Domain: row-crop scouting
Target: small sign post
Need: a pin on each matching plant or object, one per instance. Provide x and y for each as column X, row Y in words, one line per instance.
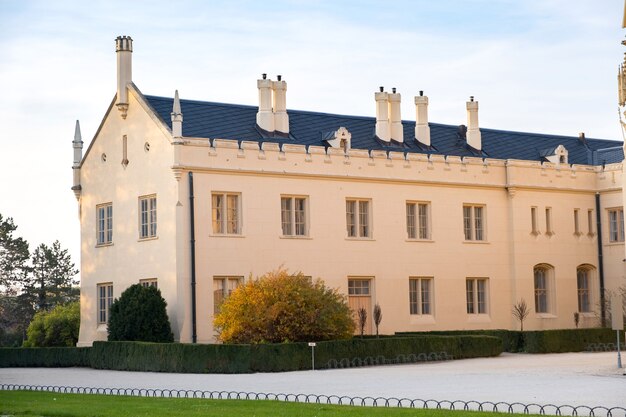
column 312, row 344
column 617, row 319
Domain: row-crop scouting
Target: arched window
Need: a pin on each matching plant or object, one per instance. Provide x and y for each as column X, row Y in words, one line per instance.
column 585, row 275
column 544, row 288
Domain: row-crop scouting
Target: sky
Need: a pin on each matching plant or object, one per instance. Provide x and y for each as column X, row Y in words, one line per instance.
column 545, row 66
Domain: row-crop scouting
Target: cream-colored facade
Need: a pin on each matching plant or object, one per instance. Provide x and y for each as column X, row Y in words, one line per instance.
column 439, row 241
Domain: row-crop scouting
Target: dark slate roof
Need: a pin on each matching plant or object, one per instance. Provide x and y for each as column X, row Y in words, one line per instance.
column 232, row 121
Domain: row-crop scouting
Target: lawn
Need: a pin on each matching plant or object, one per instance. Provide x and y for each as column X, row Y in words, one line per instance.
column 31, row 403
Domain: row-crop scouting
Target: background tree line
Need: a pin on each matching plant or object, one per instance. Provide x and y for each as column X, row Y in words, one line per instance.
column 31, row 281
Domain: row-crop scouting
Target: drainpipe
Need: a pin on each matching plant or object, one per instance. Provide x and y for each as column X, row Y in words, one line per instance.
column 194, row 336
column 600, row 260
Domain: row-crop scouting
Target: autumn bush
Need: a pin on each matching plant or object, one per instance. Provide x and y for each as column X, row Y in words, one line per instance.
column 283, row 307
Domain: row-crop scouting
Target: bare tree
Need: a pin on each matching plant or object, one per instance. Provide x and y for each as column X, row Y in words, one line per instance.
column 378, row 316
column 362, row 315
column 576, row 318
column 520, row 312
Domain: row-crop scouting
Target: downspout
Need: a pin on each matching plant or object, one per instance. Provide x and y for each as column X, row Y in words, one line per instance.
column 194, row 336
column 600, row 260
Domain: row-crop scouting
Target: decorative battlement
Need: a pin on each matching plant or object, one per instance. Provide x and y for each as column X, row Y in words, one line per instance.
column 382, row 165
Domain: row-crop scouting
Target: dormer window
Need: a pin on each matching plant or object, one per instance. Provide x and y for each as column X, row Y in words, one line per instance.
column 339, row 139
column 556, row 155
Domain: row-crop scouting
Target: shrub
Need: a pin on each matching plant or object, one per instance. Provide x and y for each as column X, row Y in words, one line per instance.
column 281, row 307
column 565, row 340
column 57, row 327
column 53, row 357
column 140, row 314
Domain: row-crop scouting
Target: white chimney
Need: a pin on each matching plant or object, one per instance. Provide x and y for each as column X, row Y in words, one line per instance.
column 383, row 132
column 281, row 119
column 124, row 49
column 177, row 118
column 395, row 119
column 265, row 115
column 473, row 132
column 422, row 130
column 77, row 144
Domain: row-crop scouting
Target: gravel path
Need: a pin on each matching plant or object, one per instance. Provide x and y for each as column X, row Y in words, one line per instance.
column 591, row 379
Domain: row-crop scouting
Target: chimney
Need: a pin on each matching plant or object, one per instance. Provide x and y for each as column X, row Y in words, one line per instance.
column 281, row 119
column 383, row 131
column 473, row 132
column 77, row 144
column 581, row 138
column 177, row 118
column 265, row 115
column 395, row 119
column 422, row 130
column 124, row 50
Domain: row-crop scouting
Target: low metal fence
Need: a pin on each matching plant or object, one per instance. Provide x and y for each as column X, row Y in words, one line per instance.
column 461, row 405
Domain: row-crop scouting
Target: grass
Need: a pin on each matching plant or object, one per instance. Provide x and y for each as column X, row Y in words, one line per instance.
column 37, row 403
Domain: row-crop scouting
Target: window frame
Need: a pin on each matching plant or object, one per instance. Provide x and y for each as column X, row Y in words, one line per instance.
column 225, row 290
column 589, row 275
column 577, row 231
column 616, row 224
column 104, row 224
column 104, row 295
column 226, row 225
column 534, row 226
column 359, row 290
column 362, row 230
column 477, row 296
column 544, row 296
column 150, row 217
column 474, row 225
column 149, row 282
column 417, row 300
column 289, row 216
column 418, row 220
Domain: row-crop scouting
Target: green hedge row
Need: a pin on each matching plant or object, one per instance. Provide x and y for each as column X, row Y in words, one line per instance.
column 201, row 358
column 52, row 357
column 540, row 341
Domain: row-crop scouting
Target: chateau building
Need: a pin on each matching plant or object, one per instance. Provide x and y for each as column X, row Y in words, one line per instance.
column 445, row 227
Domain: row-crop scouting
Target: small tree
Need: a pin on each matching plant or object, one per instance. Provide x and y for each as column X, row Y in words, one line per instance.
column 362, row 316
column 378, row 316
column 576, row 318
column 520, row 312
column 280, row 307
column 140, row 314
column 57, row 327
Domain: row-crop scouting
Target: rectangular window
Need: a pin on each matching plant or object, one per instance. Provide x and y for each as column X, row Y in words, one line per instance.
column 533, row 220
column 222, row 288
column 549, row 230
column 417, row 220
column 105, row 298
column 590, row 222
column 576, row 222
column 147, row 217
column 584, row 293
column 476, row 295
column 104, row 221
column 616, row 225
column 473, row 222
column 226, row 213
column 150, row 282
column 293, row 214
column 358, row 218
column 358, row 287
column 420, row 295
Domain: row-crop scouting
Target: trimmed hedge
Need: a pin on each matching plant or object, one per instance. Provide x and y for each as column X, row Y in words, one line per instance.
column 52, row 357
column 570, row 340
column 538, row 341
column 512, row 340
